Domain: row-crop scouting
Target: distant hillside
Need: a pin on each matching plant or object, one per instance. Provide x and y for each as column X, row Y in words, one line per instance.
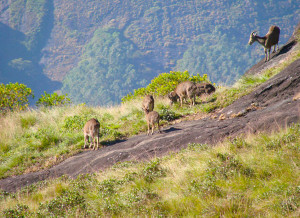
column 98, row 51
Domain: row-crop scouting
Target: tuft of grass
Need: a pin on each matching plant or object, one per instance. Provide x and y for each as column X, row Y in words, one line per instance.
column 28, row 120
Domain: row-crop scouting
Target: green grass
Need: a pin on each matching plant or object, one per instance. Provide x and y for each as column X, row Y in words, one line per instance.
column 37, row 139
column 254, row 176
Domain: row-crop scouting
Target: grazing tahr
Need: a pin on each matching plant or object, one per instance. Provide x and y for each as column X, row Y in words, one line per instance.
column 204, row 88
column 267, row 41
column 152, row 117
column 148, row 103
column 91, row 129
column 183, row 90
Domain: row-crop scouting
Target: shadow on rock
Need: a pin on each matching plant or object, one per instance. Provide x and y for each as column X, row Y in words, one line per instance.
column 172, row 129
column 109, row 143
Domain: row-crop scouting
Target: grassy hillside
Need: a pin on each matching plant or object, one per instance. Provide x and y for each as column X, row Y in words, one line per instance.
column 256, row 176
column 60, row 39
column 37, row 139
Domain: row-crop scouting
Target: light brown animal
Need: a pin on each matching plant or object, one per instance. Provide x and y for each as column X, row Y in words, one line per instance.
column 91, row 129
column 148, row 103
column 152, row 117
column 267, row 41
column 183, row 90
column 204, row 88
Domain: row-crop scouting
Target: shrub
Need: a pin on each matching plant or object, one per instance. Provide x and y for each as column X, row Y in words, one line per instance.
column 75, row 122
column 228, row 166
column 205, row 186
column 28, row 121
column 107, row 187
column 153, row 170
column 196, row 146
column 53, row 99
column 166, row 114
column 14, row 96
column 165, row 83
column 66, row 202
column 18, row 211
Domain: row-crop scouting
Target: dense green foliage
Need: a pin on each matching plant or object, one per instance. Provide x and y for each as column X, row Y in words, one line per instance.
column 48, row 100
column 106, row 71
column 22, row 38
column 255, row 176
column 14, row 97
column 222, row 56
column 38, row 11
column 164, row 83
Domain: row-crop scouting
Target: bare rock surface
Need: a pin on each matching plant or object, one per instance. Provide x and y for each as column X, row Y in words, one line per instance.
column 268, row 108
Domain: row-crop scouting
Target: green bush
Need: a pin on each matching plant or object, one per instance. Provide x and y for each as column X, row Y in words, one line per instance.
column 53, row 99
column 67, row 201
column 166, row 114
column 14, row 96
column 165, row 83
column 153, row 170
column 75, row 122
column 18, row 211
column 28, row 121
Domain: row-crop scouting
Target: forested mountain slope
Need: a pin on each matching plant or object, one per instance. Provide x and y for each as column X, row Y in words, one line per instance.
column 100, row 50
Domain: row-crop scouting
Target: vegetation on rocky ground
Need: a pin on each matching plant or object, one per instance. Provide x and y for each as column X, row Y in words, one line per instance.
column 245, row 176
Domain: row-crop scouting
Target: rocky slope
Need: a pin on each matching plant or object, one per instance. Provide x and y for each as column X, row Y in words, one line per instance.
column 271, row 106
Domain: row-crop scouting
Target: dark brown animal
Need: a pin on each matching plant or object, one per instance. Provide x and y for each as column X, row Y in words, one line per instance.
column 173, row 97
column 152, row 117
column 183, row 90
column 91, row 129
column 204, row 88
column 267, row 41
column 148, row 103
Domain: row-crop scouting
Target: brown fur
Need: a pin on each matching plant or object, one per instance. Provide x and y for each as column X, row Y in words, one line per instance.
column 148, row 103
column 204, row 88
column 183, row 90
column 173, row 97
column 91, row 129
column 152, row 117
column 269, row 40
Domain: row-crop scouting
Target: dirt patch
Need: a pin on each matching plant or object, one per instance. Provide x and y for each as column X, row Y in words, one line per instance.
column 268, row 108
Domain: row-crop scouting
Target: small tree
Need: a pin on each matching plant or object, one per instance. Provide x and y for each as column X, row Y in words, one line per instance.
column 14, row 96
column 49, row 100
